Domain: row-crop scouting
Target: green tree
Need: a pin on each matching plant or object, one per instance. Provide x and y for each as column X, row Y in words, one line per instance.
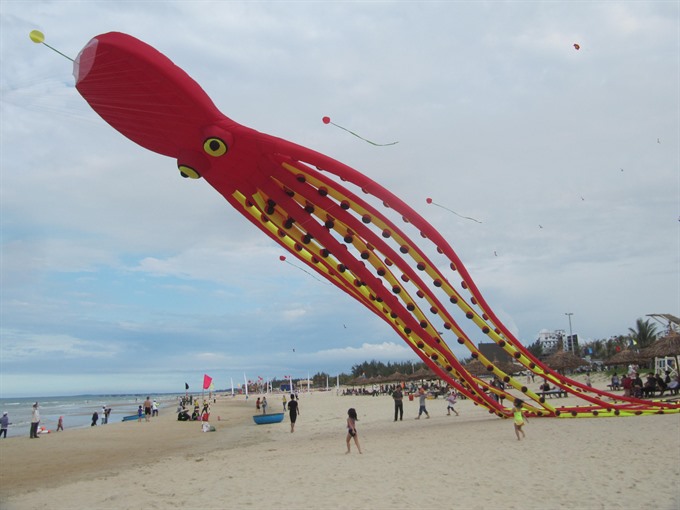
column 536, row 348
column 644, row 334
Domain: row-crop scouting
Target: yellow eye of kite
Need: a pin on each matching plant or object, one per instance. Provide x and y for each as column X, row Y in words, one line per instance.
column 215, row 147
column 187, row 171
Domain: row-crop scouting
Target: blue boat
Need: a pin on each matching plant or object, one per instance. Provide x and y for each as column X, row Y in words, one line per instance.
column 130, row 418
column 263, row 419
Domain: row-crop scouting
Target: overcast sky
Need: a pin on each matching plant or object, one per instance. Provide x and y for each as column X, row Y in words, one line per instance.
column 118, row 275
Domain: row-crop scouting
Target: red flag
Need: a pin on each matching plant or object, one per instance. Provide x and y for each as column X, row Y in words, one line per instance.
column 206, row 381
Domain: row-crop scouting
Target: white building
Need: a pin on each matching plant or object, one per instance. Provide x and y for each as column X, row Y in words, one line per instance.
column 549, row 339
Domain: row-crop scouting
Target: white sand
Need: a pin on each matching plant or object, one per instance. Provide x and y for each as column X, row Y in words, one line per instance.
column 472, row 461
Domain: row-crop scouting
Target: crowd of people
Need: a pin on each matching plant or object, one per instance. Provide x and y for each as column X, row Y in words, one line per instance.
column 634, row 386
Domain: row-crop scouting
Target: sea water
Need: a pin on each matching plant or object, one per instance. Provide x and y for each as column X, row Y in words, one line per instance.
column 76, row 410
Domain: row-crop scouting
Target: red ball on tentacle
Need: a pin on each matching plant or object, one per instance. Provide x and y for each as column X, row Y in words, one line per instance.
column 428, row 200
column 282, row 258
column 326, row 120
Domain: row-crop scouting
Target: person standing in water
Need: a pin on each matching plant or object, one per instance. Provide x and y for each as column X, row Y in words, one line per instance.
column 352, row 429
column 35, row 421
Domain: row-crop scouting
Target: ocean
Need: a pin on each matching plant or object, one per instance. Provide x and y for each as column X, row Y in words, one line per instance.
column 76, row 410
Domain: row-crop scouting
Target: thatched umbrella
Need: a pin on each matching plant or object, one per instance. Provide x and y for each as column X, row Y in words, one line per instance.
column 564, row 360
column 627, row 356
column 508, row 368
column 423, row 373
column 476, row 368
column 359, row 381
column 666, row 346
column 396, row 377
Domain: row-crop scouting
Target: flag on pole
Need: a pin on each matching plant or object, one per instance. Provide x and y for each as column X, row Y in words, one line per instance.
column 206, row 381
column 186, row 386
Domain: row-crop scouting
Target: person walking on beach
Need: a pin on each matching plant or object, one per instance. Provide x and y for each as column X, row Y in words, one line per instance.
column 519, row 418
column 422, row 396
column 294, row 411
column 154, row 408
column 95, row 417
column 104, row 420
column 4, row 425
column 398, row 397
column 140, row 413
column 352, row 429
column 284, row 404
column 264, row 405
column 60, row 424
column 147, row 409
column 451, row 401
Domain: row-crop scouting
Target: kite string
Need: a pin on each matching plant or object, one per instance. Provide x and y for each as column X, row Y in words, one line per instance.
column 283, row 259
column 327, row 120
column 430, row 201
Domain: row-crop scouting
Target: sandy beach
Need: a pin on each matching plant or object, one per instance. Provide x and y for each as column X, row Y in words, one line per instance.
column 471, row 461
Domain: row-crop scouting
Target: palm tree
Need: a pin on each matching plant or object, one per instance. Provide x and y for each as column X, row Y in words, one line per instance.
column 644, row 333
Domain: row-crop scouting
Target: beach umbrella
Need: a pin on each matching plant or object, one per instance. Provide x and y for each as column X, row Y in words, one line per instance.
column 423, row 373
column 564, row 360
column 666, row 346
column 476, row 368
column 627, row 356
column 508, row 368
column 396, row 377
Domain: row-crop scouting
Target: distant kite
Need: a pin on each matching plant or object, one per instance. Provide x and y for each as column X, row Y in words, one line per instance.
column 317, row 208
column 577, row 46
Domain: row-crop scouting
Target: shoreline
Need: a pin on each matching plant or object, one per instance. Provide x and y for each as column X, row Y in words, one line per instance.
column 473, row 460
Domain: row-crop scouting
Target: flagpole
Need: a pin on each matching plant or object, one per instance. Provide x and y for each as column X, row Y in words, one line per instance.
column 232, row 386
column 245, row 379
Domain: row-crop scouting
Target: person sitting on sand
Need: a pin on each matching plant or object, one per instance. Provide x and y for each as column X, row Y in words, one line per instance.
column 636, row 389
column 627, row 385
column 661, row 384
column 650, row 385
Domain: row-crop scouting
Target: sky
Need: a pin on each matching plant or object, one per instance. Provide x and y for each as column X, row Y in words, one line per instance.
column 117, row 275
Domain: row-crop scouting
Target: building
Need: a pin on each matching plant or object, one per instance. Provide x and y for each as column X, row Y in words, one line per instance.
column 552, row 340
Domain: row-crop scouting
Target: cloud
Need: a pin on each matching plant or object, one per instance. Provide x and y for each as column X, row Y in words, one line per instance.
column 108, row 256
column 22, row 347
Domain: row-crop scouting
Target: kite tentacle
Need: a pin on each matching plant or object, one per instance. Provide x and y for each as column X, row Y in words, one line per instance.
column 344, row 223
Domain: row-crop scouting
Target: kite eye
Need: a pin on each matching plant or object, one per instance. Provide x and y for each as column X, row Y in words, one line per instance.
column 215, row 147
column 188, row 172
